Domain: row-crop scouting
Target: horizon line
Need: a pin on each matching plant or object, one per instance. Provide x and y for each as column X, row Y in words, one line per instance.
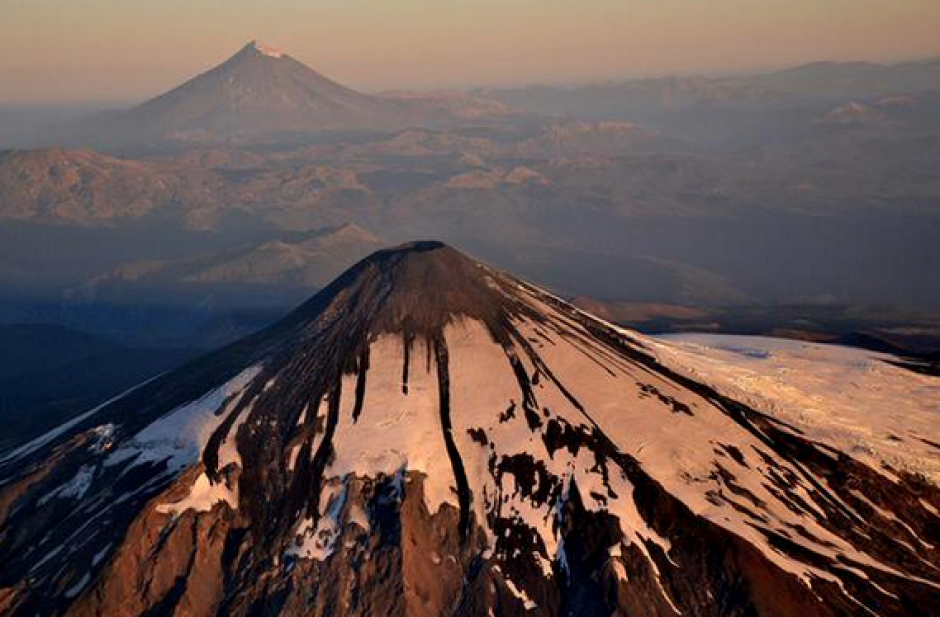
column 125, row 102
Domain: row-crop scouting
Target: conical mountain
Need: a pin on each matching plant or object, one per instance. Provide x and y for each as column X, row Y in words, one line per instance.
column 430, row 436
column 259, row 93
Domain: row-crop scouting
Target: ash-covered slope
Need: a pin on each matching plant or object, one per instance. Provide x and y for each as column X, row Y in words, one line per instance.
column 428, row 436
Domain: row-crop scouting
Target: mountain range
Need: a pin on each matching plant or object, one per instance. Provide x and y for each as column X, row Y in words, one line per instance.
column 680, row 190
column 810, row 84
column 431, row 436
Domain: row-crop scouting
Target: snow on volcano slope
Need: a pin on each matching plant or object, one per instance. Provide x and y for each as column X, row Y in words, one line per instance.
column 853, row 400
column 720, row 467
column 431, row 436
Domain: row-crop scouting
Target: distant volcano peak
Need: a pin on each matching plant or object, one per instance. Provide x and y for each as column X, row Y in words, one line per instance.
column 259, row 92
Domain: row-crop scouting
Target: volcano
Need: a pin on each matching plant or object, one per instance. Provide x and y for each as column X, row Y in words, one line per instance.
column 431, row 436
column 257, row 94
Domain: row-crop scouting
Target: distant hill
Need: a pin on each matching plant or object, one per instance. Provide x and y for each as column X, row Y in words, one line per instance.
column 291, row 265
column 841, row 79
column 199, row 190
column 82, row 187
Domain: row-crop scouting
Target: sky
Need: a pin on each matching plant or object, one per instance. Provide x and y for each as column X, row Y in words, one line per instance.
column 129, row 50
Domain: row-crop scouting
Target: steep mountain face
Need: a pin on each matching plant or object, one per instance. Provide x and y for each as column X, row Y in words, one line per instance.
column 258, row 92
column 429, row 436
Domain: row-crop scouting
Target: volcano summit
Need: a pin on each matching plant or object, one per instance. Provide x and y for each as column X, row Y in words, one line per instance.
column 430, row 436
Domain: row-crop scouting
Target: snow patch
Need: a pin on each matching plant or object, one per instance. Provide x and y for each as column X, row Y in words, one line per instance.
column 103, row 438
column 179, row 437
column 202, row 497
column 395, row 431
column 850, row 399
column 319, row 542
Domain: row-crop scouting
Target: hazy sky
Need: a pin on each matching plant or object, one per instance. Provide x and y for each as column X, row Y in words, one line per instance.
column 57, row 50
